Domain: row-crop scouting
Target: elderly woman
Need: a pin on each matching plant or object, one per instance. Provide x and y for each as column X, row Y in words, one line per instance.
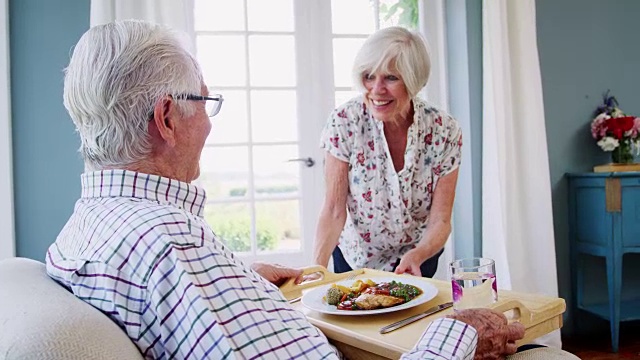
column 391, row 165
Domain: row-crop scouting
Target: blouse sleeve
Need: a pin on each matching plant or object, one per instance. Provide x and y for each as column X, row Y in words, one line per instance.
column 336, row 134
column 452, row 151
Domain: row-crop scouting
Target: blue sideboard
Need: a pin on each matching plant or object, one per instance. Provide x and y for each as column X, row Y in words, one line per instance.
column 604, row 221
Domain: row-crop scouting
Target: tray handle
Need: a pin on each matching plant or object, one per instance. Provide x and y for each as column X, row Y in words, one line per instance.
column 521, row 313
column 325, row 276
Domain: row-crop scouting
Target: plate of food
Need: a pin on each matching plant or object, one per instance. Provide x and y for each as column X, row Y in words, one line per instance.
column 367, row 296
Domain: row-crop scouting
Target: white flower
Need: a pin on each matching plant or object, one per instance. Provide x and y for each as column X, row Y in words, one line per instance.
column 617, row 113
column 608, row 143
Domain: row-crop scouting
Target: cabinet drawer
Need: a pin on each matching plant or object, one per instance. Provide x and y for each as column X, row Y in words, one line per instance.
column 591, row 214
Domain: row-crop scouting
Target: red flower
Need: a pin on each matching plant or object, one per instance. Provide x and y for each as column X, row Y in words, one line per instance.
column 367, row 196
column 371, row 145
column 366, row 237
column 439, row 120
column 618, row 126
column 334, row 141
column 342, row 114
column 361, row 158
column 428, row 138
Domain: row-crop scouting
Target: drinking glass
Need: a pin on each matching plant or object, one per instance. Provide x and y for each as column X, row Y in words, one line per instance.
column 473, row 283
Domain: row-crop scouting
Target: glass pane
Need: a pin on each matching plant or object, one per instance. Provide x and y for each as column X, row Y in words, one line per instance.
column 344, row 52
column 212, row 15
column 231, row 223
column 230, row 125
column 272, row 60
column 272, row 15
column 278, row 225
column 275, row 176
column 344, row 96
column 405, row 15
column 224, row 172
column 223, row 60
column 352, row 17
column 273, row 115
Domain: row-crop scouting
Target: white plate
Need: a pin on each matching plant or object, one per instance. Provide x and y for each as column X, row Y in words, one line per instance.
column 314, row 298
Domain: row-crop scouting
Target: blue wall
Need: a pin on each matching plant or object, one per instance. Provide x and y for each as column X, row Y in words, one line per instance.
column 585, row 48
column 45, row 158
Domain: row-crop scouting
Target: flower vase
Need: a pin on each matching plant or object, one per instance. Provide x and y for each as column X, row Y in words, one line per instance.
column 622, row 154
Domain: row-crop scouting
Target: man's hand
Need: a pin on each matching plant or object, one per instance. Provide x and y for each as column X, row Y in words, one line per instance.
column 496, row 338
column 275, row 273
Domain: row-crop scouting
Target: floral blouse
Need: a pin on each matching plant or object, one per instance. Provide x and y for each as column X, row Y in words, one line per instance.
column 388, row 210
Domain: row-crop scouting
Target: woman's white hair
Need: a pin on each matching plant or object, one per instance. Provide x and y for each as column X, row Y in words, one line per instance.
column 394, row 49
column 117, row 73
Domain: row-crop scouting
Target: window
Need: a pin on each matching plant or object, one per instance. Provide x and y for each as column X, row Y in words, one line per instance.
column 282, row 66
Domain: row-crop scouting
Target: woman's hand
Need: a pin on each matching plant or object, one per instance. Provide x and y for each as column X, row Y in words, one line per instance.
column 411, row 261
column 275, row 273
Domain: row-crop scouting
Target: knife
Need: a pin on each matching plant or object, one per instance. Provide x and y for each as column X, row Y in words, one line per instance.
column 414, row 318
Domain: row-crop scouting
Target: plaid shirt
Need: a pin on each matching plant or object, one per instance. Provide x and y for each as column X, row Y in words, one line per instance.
column 445, row 339
column 138, row 249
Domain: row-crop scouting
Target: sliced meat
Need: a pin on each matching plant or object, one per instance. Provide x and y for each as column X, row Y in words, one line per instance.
column 375, row 301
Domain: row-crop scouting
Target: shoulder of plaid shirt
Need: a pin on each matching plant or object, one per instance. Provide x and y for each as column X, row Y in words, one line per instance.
column 137, row 248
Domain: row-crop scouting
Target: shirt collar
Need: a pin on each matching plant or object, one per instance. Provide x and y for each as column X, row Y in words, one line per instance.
column 125, row 183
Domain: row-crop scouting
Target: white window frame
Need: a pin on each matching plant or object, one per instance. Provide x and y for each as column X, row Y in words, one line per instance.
column 7, row 235
column 316, row 98
column 432, row 24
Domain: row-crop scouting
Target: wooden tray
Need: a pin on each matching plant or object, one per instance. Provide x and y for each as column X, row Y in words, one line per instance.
column 358, row 337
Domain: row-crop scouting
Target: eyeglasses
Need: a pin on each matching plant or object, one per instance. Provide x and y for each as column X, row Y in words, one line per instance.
column 213, row 103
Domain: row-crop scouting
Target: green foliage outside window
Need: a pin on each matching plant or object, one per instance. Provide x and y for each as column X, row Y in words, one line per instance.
column 235, row 231
column 407, row 11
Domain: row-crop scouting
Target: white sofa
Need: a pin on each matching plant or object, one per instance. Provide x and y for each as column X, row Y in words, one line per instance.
column 40, row 319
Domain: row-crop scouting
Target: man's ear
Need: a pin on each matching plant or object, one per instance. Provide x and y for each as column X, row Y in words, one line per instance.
column 164, row 117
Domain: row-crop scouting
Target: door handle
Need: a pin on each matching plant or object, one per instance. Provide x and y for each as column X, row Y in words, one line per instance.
column 308, row 162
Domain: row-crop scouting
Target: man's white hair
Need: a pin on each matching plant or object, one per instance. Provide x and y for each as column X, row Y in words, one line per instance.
column 117, row 73
column 394, row 49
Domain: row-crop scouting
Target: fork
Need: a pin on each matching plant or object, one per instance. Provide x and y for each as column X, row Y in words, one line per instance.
column 350, row 277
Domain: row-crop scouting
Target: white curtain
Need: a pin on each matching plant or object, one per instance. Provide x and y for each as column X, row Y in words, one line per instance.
column 177, row 14
column 517, row 223
column 7, row 236
column 432, row 26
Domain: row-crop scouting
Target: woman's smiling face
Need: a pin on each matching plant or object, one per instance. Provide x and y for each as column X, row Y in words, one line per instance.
column 386, row 96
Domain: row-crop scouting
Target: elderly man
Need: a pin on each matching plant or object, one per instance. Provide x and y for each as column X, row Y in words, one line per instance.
column 137, row 246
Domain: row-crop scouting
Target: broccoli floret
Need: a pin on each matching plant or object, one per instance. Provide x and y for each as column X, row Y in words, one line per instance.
column 333, row 296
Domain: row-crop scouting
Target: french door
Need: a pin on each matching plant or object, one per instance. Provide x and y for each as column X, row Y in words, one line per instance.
column 282, row 66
